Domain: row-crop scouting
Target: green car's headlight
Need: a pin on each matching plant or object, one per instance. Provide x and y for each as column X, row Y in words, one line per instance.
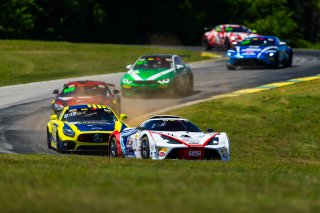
column 126, row 81
column 68, row 131
column 164, row 81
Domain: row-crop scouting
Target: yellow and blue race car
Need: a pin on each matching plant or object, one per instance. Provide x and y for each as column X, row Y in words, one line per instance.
column 83, row 128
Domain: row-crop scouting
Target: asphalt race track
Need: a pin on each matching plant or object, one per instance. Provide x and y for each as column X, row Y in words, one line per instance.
column 25, row 109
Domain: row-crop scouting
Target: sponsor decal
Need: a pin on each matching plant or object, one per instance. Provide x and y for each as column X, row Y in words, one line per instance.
column 193, row 153
column 162, row 154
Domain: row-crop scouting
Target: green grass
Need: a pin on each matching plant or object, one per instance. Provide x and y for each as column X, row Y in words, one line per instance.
column 274, row 166
column 30, row 61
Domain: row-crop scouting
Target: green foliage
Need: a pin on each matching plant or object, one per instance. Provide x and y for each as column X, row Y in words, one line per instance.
column 280, row 24
column 17, row 18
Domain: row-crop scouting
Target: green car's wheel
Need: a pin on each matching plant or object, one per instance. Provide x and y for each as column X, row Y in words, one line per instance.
column 145, row 148
column 190, row 85
column 49, row 139
column 113, row 150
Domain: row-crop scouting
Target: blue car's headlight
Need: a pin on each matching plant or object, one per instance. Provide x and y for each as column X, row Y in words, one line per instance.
column 68, row 131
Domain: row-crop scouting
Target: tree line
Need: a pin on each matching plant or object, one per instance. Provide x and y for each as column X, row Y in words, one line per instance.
column 155, row 22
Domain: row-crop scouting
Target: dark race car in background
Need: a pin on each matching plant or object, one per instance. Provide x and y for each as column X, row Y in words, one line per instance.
column 225, row 35
column 260, row 51
column 87, row 92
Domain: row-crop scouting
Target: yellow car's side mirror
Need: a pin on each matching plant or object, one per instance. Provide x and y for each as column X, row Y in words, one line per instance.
column 53, row 117
column 123, row 117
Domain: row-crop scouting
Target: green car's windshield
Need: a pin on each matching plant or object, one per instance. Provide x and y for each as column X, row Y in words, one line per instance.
column 153, row 63
column 89, row 115
column 258, row 42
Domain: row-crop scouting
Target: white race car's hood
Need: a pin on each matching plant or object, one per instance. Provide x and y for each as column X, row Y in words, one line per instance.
column 186, row 137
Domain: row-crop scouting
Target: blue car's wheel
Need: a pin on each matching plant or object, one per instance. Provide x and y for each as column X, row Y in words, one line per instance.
column 289, row 62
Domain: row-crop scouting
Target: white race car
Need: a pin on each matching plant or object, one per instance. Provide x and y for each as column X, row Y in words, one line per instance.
column 171, row 137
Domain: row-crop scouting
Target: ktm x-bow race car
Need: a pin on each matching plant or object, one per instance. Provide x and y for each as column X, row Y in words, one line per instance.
column 225, row 35
column 158, row 74
column 87, row 92
column 84, row 128
column 170, row 137
column 260, row 51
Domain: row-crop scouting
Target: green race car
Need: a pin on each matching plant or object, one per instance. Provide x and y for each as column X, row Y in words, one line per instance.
column 151, row 74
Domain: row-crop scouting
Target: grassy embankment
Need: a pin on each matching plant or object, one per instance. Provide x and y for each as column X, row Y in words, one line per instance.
column 30, row 61
column 275, row 166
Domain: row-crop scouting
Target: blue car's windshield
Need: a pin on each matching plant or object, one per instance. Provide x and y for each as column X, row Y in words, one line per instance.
column 89, row 115
column 170, row 125
column 258, row 42
column 153, row 63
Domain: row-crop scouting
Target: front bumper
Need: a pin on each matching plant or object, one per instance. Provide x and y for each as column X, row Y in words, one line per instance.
column 144, row 88
column 250, row 61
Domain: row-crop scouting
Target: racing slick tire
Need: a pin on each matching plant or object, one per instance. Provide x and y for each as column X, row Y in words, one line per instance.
column 59, row 144
column 145, row 147
column 289, row 62
column 205, row 44
column 227, row 44
column 49, row 139
column 276, row 61
column 231, row 67
column 113, row 149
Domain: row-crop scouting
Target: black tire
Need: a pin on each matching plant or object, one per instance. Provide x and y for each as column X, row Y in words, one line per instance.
column 205, row 44
column 113, row 149
column 227, row 44
column 59, row 150
column 230, row 67
column 276, row 61
column 289, row 62
column 190, row 85
column 49, row 139
column 145, row 147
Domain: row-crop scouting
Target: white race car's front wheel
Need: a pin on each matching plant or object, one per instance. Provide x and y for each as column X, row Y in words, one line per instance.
column 145, row 148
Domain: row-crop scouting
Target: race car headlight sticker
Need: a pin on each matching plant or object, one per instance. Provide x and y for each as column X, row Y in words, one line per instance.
column 164, row 81
column 214, row 141
column 68, row 131
column 57, row 106
column 169, row 140
column 271, row 54
column 126, row 81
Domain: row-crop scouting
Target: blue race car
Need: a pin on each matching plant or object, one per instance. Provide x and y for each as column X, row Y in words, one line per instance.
column 260, row 51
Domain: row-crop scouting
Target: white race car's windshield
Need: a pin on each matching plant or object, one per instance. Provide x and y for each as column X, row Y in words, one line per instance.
column 89, row 115
column 258, row 42
column 237, row 29
column 74, row 91
column 170, row 125
column 153, row 63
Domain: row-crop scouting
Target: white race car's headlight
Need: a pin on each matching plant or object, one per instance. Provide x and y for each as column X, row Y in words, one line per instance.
column 164, row 81
column 214, row 141
column 126, row 81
